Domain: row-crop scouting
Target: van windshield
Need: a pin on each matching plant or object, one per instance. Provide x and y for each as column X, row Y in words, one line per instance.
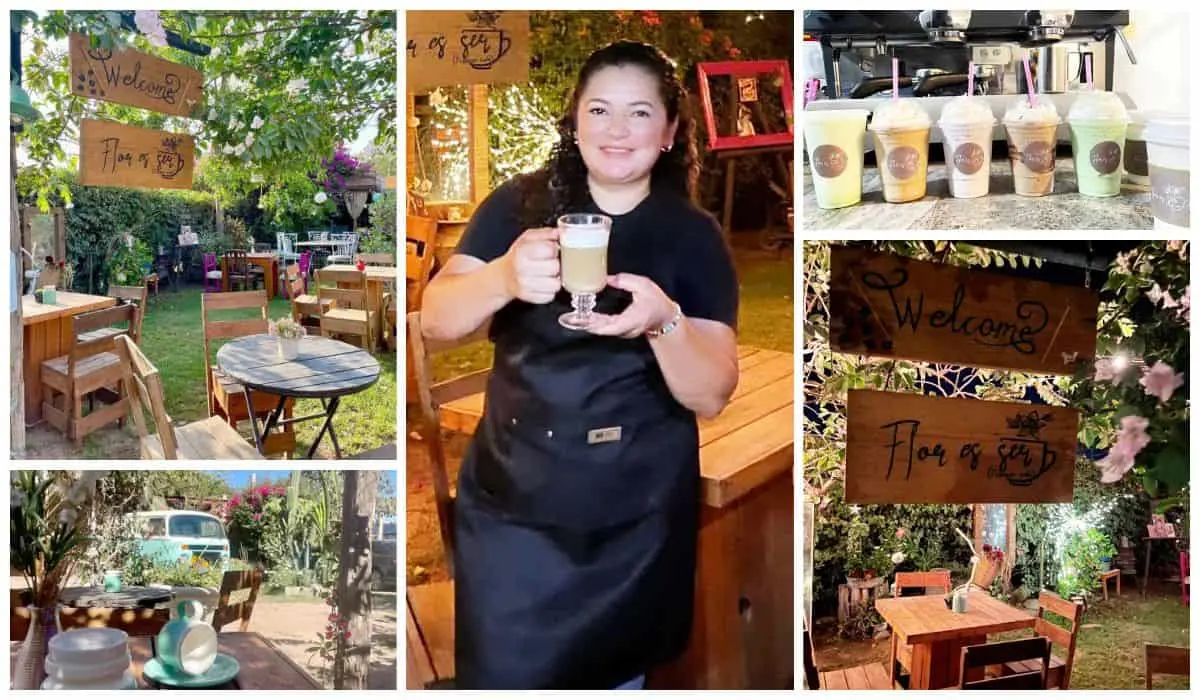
column 200, row 526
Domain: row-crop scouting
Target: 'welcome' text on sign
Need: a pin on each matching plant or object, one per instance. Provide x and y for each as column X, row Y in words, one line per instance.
column 906, row 448
column 117, row 155
column 479, row 47
column 891, row 306
column 133, row 78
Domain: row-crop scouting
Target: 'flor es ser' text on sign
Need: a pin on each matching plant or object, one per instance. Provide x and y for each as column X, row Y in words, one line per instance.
column 906, row 448
column 891, row 306
column 133, row 78
column 117, row 155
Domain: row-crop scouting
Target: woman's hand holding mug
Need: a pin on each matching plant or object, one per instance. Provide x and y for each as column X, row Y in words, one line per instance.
column 650, row 310
column 533, row 266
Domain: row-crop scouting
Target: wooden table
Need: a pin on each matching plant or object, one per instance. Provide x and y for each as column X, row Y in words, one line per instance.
column 938, row 634
column 127, row 597
column 48, row 335
column 326, row 369
column 262, row 665
column 1149, row 542
column 268, row 262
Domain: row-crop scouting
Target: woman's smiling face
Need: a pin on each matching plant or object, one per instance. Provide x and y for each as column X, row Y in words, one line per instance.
column 622, row 125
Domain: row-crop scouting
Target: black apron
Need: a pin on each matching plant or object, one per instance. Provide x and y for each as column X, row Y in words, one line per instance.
column 575, row 549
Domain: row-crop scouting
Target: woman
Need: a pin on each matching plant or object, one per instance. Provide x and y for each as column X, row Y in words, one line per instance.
column 576, row 517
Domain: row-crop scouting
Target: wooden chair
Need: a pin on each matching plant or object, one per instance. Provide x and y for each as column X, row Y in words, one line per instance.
column 429, row 631
column 866, row 677
column 1166, row 660
column 980, row 656
column 349, row 311
column 237, row 264
column 1059, row 674
column 225, row 396
column 306, row 308
column 211, row 438
column 88, row 370
column 378, row 258
column 227, row 612
column 420, row 241
column 136, row 622
column 138, row 296
column 901, row 664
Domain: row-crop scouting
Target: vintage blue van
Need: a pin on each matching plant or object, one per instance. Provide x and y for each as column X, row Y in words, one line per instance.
column 169, row 536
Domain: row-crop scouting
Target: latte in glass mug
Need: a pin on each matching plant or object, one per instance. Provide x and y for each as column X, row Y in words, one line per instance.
column 584, row 252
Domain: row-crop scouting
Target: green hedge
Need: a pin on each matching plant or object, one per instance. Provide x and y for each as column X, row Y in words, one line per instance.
column 100, row 215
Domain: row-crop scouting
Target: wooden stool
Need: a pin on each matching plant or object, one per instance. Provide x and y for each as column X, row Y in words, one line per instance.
column 1107, row 576
column 852, row 595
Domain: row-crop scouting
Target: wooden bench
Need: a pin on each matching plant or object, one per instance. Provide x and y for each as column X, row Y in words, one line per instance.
column 867, row 677
column 1107, row 576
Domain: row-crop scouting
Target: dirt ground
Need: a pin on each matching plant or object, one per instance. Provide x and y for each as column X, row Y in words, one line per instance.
column 294, row 626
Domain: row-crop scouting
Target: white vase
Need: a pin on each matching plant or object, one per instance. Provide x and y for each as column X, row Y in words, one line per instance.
column 30, row 669
column 289, row 348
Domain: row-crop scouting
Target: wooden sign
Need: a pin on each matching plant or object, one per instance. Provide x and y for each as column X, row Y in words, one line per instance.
column 479, row 47
column 118, row 155
column 133, row 78
column 906, row 448
column 889, row 306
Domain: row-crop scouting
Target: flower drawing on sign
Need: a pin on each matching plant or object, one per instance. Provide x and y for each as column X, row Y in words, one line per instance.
column 1029, row 424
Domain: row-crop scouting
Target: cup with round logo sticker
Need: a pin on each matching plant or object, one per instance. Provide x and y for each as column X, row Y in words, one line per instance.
column 1097, row 120
column 900, row 130
column 1031, row 124
column 1136, row 170
column 834, row 140
column 966, row 123
column 1168, row 150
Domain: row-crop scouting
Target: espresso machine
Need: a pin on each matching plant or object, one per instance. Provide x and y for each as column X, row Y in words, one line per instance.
column 935, row 49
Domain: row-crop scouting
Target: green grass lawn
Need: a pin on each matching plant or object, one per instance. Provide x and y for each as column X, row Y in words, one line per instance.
column 765, row 314
column 173, row 339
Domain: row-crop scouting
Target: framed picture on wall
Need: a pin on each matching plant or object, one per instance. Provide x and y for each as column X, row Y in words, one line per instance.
column 747, row 104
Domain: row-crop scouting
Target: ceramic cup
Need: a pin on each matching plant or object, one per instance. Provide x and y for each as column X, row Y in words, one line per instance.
column 187, row 645
column 112, row 581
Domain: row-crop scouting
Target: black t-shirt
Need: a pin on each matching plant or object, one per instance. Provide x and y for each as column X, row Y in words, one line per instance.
column 699, row 274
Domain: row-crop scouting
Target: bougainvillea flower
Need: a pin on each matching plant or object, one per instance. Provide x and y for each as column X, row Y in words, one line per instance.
column 1161, row 381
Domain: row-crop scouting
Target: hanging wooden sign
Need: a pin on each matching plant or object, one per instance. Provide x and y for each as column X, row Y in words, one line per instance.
column 118, row 155
column 466, row 48
column 907, row 448
column 890, row 306
column 133, row 78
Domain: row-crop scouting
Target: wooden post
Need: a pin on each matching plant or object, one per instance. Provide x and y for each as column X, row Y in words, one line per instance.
column 16, row 330
column 410, row 141
column 477, row 143
column 354, row 580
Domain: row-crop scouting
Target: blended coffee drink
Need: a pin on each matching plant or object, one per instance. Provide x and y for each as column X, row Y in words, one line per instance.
column 1032, row 140
column 966, row 123
column 583, row 249
column 1168, row 149
column 901, row 133
column 1137, row 170
column 834, row 140
column 1097, row 121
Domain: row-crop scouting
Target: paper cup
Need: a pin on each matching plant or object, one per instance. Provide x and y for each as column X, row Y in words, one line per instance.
column 834, row 140
column 968, row 149
column 1031, row 153
column 903, row 158
column 1097, row 148
column 1136, row 169
column 1168, row 153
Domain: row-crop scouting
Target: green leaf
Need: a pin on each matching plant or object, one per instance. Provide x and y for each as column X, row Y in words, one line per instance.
column 1171, row 467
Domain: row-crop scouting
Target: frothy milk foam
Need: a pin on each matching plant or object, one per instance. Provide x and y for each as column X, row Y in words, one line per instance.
column 584, row 252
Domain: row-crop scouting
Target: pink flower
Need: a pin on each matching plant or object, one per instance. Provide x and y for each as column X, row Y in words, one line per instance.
column 150, row 25
column 1158, row 295
column 1185, row 304
column 900, row 533
column 1106, row 370
column 257, row 516
column 1131, row 439
column 1161, row 381
column 1115, row 464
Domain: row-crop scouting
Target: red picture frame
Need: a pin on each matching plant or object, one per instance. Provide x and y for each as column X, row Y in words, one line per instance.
column 745, row 69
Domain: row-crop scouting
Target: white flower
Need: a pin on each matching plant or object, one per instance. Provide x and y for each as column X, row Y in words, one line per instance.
column 239, row 149
column 1158, row 295
column 897, row 557
column 150, row 25
column 320, row 197
column 227, row 149
column 257, row 122
column 250, row 139
column 212, row 115
column 297, row 85
column 69, row 205
column 233, row 124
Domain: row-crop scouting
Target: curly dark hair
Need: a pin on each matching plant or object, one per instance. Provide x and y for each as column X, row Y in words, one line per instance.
column 560, row 185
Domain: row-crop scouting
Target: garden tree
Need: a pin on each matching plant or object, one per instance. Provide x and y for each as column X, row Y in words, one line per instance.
column 191, row 485
column 282, row 87
column 354, row 580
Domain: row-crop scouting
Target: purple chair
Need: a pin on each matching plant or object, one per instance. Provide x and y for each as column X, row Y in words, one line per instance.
column 305, row 266
column 212, row 273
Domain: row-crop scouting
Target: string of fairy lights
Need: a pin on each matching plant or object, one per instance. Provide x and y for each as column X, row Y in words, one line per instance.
column 521, row 134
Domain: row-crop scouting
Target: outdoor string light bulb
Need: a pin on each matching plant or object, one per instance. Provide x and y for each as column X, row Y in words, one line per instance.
column 526, row 131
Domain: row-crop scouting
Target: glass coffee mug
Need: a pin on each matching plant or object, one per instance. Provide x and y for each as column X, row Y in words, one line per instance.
column 583, row 248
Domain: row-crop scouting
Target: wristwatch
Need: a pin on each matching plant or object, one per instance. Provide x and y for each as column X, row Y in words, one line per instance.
column 671, row 325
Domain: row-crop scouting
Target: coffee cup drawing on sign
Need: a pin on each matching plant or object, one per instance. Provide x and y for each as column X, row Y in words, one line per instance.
column 1031, row 458
column 483, row 48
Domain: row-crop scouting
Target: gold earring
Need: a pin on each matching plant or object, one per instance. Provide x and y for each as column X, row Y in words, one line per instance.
column 667, row 148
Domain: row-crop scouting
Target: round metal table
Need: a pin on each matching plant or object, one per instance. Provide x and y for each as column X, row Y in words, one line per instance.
column 127, row 597
column 324, row 369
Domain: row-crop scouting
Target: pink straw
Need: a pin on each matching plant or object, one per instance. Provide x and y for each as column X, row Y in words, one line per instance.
column 1029, row 80
column 1087, row 68
column 971, row 78
column 895, row 79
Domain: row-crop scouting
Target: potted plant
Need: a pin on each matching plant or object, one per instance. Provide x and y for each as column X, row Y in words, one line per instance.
column 287, row 334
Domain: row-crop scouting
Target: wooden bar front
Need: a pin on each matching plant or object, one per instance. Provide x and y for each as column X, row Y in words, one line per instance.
column 47, row 335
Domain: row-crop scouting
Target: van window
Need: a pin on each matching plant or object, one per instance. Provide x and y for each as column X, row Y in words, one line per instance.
column 196, row 526
column 154, row 527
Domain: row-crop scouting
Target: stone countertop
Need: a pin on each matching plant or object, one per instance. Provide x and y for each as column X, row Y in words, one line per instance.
column 1002, row 208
